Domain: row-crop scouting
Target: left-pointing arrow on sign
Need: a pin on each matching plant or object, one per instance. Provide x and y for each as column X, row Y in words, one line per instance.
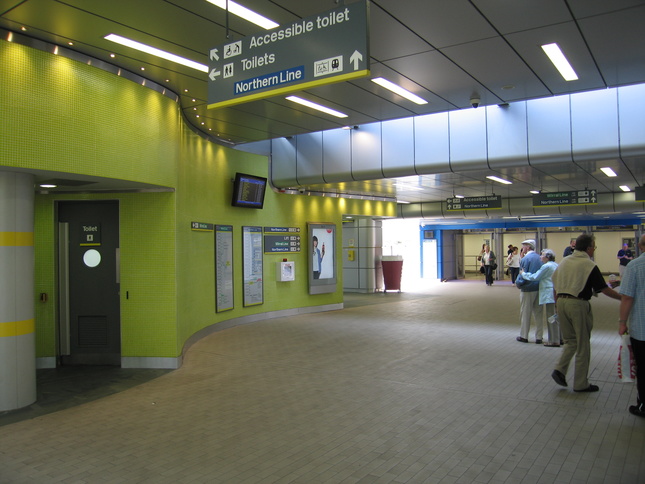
column 214, row 73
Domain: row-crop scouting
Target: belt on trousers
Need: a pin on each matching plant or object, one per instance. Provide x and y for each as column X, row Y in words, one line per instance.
column 569, row 296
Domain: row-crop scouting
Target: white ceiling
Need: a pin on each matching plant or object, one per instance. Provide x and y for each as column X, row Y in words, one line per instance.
column 443, row 50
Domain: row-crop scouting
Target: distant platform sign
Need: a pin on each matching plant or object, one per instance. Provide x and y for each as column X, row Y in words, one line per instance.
column 576, row 197
column 475, row 203
column 321, row 49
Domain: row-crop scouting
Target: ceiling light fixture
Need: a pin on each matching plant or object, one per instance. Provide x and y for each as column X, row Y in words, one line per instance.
column 245, row 13
column 625, row 188
column 534, row 192
column 318, row 107
column 499, row 180
column 133, row 44
column 560, row 62
column 608, row 171
column 399, row 90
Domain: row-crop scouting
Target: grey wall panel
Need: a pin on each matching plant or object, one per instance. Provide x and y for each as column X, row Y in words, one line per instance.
column 283, row 162
column 366, row 152
column 548, row 210
column 521, row 206
column 467, row 135
column 576, row 209
column 432, row 209
column 431, row 144
column 594, row 125
column 625, row 202
column 412, row 210
column 398, row 147
column 505, row 211
column 631, row 109
column 337, row 148
column 605, row 203
column 549, row 130
column 507, row 137
column 309, row 167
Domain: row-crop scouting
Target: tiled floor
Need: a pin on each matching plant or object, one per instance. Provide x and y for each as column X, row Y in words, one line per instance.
column 412, row 387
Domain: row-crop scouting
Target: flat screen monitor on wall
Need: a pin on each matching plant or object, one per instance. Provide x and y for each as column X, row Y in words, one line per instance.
column 248, row 191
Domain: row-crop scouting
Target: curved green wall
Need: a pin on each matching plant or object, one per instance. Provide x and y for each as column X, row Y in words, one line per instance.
column 64, row 116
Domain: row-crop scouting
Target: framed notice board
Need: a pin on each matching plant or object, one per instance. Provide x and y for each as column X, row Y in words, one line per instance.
column 223, row 268
column 252, row 261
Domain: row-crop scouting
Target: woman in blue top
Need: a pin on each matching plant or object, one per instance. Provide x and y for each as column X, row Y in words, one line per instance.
column 546, row 297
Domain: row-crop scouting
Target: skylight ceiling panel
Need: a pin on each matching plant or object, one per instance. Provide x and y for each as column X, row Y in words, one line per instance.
column 528, row 45
column 390, row 39
column 435, row 103
column 508, row 17
column 615, row 39
column 434, row 72
column 297, row 119
column 495, row 65
column 441, row 23
column 368, row 104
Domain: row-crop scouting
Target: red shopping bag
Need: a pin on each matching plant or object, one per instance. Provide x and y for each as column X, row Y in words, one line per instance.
column 626, row 363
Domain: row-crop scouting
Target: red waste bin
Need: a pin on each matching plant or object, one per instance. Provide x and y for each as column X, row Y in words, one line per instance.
column 392, row 268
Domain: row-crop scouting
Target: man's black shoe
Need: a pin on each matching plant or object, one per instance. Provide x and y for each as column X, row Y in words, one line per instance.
column 559, row 378
column 522, row 340
column 538, row 341
column 637, row 410
column 590, row 388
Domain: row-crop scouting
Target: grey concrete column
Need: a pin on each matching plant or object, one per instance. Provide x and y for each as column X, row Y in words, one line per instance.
column 17, row 326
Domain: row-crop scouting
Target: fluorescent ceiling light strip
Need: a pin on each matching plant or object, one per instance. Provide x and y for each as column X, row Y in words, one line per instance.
column 318, row 107
column 245, row 13
column 499, row 180
column 133, row 44
column 399, row 90
column 608, row 171
column 560, row 62
column 625, row 188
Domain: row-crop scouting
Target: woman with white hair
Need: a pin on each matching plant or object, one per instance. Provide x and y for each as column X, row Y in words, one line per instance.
column 546, row 298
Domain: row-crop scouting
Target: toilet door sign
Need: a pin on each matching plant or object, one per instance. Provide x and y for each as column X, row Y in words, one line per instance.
column 90, row 235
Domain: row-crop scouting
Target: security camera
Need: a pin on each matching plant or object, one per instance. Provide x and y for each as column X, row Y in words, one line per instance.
column 474, row 101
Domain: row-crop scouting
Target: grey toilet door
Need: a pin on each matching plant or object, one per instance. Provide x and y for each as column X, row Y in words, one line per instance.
column 90, row 319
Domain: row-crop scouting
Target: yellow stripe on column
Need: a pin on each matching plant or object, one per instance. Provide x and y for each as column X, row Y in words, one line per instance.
column 16, row 239
column 17, row 328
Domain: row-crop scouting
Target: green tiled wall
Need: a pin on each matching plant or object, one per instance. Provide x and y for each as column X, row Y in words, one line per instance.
column 61, row 115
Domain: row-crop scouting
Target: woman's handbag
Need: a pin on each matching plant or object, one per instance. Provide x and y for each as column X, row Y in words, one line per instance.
column 482, row 270
column 494, row 266
column 626, row 362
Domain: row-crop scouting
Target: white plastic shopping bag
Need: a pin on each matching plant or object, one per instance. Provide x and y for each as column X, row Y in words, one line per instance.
column 626, row 363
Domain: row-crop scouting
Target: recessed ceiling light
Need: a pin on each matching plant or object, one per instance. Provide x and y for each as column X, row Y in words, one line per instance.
column 245, row 13
column 318, row 107
column 459, row 196
column 47, row 185
column 133, row 44
column 625, row 188
column 399, row 90
column 608, row 171
column 534, row 192
column 499, row 180
column 560, row 62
